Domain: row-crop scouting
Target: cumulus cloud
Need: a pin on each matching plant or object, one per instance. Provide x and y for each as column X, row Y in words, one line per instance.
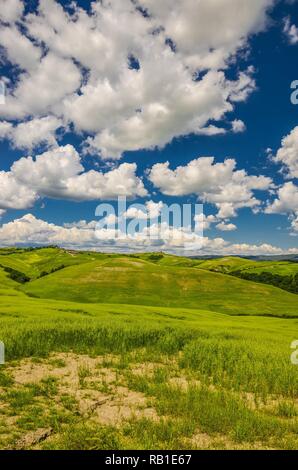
column 59, row 174
column 255, row 250
column 41, row 89
column 287, row 200
column 14, row 195
column 151, row 210
column 11, row 10
column 226, row 210
column 115, row 83
column 294, row 225
column 287, row 155
column 216, row 183
column 226, row 227
column 291, row 31
column 29, row 230
column 29, row 134
column 208, row 33
column 19, row 49
column 121, row 88
column 238, row 126
column 205, row 221
column 184, row 108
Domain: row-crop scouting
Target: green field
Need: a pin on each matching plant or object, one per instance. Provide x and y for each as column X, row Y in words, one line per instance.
column 147, row 351
column 166, row 282
column 282, row 274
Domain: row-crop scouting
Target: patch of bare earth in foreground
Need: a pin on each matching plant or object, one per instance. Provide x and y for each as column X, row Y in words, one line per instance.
column 98, row 390
column 100, row 393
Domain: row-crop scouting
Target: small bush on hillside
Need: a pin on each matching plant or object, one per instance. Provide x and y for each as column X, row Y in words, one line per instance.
column 16, row 275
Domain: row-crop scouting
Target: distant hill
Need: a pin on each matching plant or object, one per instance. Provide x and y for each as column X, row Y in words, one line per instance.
column 282, row 274
column 152, row 279
column 293, row 258
column 274, row 258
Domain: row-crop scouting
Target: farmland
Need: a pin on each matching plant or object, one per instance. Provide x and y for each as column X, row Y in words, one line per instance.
column 144, row 351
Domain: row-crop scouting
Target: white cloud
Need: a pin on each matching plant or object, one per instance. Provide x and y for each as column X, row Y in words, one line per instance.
column 81, row 224
column 211, row 130
column 294, row 225
column 216, row 183
column 205, row 221
column 242, row 249
column 291, row 31
column 222, row 225
column 29, row 230
column 209, row 32
column 11, row 10
column 40, row 91
column 78, row 67
column 226, row 210
column 226, row 227
column 19, row 49
column 166, row 108
column 59, row 174
column 287, row 155
column 111, row 220
column 154, row 208
column 151, row 210
column 286, row 203
column 32, row 133
column 13, row 194
column 287, row 200
column 135, row 213
column 5, row 129
column 238, row 126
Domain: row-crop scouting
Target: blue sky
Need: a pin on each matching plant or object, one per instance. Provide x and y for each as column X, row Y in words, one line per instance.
column 100, row 130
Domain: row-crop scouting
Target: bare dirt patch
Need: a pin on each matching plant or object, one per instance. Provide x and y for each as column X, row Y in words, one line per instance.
column 203, row 441
column 99, row 392
column 146, row 368
column 125, row 405
column 32, row 438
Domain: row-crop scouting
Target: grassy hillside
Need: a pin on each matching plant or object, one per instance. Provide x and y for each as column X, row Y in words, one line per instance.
column 126, row 377
column 138, row 352
column 227, row 264
column 282, row 274
column 231, row 264
column 7, row 285
column 164, row 282
column 40, row 262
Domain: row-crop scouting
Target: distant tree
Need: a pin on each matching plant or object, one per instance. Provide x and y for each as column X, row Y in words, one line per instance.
column 16, row 275
column 156, row 256
column 288, row 283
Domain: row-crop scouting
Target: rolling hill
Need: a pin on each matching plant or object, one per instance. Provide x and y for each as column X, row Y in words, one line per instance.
column 143, row 351
column 157, row 280
column 282, row 274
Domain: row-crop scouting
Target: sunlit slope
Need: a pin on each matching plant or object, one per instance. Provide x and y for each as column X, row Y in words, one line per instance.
column 231, row 264
column 61, row 320
column 34, row 263
column 226, row 264
column 281, row 274
column 125, row 280
column 281, row 268
column 8, row 287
